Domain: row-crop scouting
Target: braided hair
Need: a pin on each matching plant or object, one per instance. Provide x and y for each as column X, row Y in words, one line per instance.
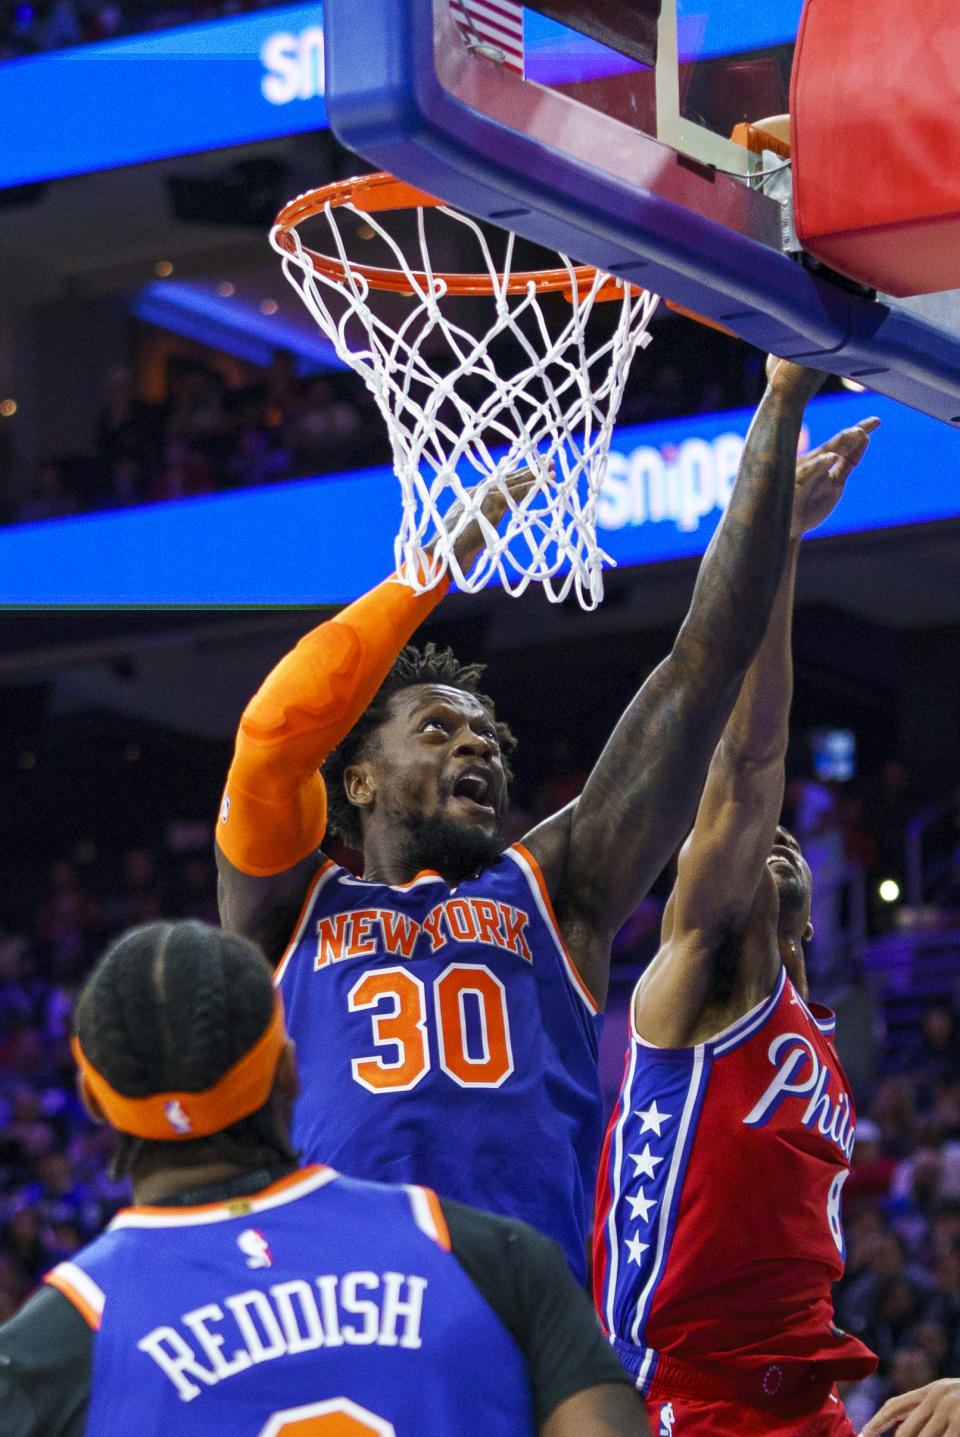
column 171, row 1007
column 429, row 665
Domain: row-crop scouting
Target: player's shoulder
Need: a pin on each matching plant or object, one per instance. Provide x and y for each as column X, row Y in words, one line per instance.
column 503, row 1256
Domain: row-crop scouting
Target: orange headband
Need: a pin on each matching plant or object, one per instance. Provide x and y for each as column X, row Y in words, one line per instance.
column 168, row 1117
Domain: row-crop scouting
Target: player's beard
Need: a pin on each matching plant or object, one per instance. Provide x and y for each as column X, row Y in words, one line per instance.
column 450, row 848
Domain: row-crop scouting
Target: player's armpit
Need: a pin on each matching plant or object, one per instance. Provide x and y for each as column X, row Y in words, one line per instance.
column 274, row 806
column 610, row 1410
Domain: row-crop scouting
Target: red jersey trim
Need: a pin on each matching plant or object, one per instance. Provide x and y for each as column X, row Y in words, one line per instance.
column 532, row 868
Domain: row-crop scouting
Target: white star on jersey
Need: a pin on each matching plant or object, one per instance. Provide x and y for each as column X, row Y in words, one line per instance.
column 652, row 1118
column 636, row 1249
column 645, row 1162
column 641, row 1205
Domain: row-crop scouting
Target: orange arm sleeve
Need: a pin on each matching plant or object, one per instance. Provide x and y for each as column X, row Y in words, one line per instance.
column 274, row 807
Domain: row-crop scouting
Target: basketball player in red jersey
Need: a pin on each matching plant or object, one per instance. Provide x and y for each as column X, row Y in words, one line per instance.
column 446, row 1005
column 717, row 1231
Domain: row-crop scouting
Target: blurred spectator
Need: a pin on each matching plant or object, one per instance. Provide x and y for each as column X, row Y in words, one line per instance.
column 61, row 28
column 871, row 1170
column 69, row 923
column 30, row 25
column 944, row 1304
column 891, row 803
column 194, row 409
column 182, row 474
column 284, row 390
column 126, row 486
column 893, row 1110
column 948, row 894
column 818, row 827
column 128, row 428
column 255, row 453
column 50, row 499
column 196, row 892
column 935, row 1052
column 322, row 434
column 141, row 899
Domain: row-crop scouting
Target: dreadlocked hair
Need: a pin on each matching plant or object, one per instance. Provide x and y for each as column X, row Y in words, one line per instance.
column 171, row 1007
column 429, row 665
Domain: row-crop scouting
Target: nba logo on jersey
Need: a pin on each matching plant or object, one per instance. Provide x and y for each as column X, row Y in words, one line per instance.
column 225, row 808
column 255, row 1248
column 176, row 1117
column 667, row 1420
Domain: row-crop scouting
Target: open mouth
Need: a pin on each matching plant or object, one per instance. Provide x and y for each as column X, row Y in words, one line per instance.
column 473, row 788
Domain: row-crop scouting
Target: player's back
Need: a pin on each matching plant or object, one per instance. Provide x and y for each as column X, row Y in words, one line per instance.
column 445, row 1038
column 718, row 1226
column 317, row 1305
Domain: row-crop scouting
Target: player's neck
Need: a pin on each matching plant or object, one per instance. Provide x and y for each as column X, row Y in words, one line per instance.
column 394, row 854
column 389, row 867
column 791, row 952
column 166, row 1183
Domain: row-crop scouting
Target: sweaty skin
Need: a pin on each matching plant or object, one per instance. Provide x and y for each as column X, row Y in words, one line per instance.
column 600, row 854
column 726, row 893
column 931, row 1411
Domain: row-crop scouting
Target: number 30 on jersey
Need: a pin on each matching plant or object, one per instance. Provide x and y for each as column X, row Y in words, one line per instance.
column 400, row 1009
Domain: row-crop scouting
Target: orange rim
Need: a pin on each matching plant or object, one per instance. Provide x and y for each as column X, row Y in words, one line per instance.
column 372, row 193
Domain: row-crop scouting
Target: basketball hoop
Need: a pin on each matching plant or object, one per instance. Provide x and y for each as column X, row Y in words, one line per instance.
column 459, row 427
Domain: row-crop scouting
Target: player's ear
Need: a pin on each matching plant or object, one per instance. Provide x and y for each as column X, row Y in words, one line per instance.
column 359, row 784
column 89, row 1101
column 808, row 932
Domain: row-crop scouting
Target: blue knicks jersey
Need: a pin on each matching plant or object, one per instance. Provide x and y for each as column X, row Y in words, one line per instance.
column 444, row 1037
column 318, row 1306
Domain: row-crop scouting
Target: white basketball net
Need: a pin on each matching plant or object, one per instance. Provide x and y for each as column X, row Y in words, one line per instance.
column 459, row 429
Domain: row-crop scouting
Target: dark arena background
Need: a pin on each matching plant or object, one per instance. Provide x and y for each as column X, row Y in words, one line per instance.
column 166, row 406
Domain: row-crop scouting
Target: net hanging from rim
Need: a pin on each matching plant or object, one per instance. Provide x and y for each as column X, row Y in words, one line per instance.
column 462, row 420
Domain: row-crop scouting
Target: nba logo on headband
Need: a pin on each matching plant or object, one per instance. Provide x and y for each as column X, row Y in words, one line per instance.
column 176, row 1117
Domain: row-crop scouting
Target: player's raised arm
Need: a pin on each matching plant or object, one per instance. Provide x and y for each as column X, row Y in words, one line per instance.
column 600, row 857
column 274, row 808
column 723, row 862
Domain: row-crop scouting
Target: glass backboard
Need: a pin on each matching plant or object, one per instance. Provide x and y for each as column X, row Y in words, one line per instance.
column 604, row 129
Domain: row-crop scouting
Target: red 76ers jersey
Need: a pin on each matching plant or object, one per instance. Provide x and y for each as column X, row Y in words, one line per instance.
column 445, row 1038
column 718, row 1209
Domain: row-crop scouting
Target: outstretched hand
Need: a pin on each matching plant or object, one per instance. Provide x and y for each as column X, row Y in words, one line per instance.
column 793, row 381
column 472, row 541
column 931, row 1411
column 822, row 474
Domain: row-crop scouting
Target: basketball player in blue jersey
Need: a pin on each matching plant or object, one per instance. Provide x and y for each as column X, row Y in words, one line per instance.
column 446, row 1004
column 717, row 1231
column 245, row 1295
